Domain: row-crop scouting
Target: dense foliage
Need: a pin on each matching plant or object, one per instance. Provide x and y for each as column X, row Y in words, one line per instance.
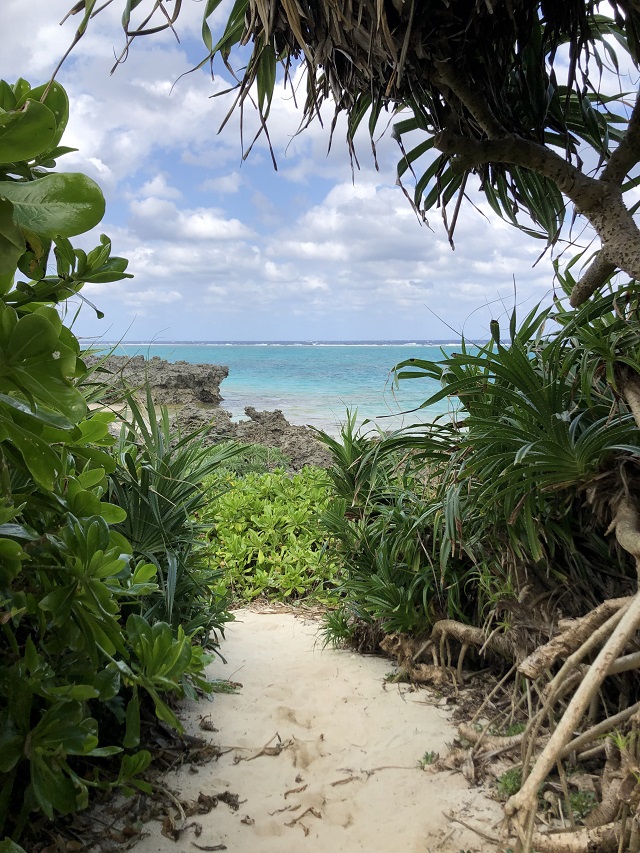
column 379, row 521
column 511, row 93
column 82, row 598
column 159, row 480
column 509, row 497
column 267, row 538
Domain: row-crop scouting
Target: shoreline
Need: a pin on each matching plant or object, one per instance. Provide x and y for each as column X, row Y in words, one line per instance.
column 310, row 385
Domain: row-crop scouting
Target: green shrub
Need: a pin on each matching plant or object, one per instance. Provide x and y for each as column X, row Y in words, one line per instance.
column 265, row 534
column 77, row 656
column 379, row 519
column 254, row 459
column 159, row 480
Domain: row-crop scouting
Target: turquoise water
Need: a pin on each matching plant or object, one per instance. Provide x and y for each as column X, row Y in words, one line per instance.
column 312, row 383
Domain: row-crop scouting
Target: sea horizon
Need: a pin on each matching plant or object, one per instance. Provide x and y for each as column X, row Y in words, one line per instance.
column 328, row 342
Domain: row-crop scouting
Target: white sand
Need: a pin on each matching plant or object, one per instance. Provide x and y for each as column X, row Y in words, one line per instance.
column 339, row 723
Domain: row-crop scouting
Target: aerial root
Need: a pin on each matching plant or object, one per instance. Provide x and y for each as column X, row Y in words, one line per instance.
column 468, row 635
column 489, row 742
column 573, row 633
column 407, row 651
column 601, row 839
column 522, row 806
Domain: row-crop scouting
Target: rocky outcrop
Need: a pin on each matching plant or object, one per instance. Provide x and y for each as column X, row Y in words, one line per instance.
column 195, row 390
column 171, row 384
column 298, row 443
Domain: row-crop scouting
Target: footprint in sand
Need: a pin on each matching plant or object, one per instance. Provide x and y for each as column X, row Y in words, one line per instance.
column 290, row 715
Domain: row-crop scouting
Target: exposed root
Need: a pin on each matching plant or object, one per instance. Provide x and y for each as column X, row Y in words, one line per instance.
column 467, row 635
column 601, row 839
column 574, row 633
column 489, row 742
column 523, row 805
column 598, row 730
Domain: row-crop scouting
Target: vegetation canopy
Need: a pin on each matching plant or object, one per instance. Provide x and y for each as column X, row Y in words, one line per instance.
column 513, row 92
column 531, row 512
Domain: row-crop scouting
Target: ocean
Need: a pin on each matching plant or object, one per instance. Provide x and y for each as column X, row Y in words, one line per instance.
column 314, row 383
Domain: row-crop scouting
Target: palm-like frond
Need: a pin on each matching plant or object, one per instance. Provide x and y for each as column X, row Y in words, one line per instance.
column 477, row 68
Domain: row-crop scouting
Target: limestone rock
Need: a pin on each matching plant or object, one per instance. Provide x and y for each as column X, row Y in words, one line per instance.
column 171, row 384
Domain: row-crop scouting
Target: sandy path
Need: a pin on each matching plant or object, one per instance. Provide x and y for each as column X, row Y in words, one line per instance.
column 351, row 749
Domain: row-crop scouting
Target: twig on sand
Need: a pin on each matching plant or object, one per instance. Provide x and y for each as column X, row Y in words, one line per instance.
column 286, row 809
column 295, row 790
column 296, row 820
column 475, row 829
column 267, row 749
column 345, row 781
column 389, row 767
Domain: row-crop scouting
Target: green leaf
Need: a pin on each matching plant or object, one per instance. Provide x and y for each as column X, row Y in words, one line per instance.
column 132, row 765
column 266, row 78
column 43, row 462
column 7, row 97
column 32, row 336
column 59, row 602
column 52, row 789
column 26, row 132
column 132, row 735
column 112, row 513
column 57, row 101
column 12, row 244
column 61, row 205
column 9, row 846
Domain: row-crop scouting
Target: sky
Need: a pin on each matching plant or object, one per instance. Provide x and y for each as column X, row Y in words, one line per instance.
column 229, row 249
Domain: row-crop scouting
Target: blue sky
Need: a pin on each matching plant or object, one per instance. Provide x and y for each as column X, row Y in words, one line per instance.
column 223, row 249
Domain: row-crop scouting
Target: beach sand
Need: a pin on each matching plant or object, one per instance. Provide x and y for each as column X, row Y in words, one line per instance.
column 340, row 769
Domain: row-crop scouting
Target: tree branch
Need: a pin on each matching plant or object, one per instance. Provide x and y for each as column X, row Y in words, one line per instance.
column 599, row 201
column 598, row 272
column 470, row 153
column 627, row 154
column 475, row 102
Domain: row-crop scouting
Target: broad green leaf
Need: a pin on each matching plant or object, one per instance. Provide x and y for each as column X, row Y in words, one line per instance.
column 59, row 602
column 57, row 101
column 112, row 513
column 32, row 336
column 47, row 388
column 132, row 734
column 134, row 764
column 61, row 205
column 52, row 789
column 7, row 96
column 12, row 244
column 85, row 504
column 107, row 682
column 26, row 132
column 41, row 460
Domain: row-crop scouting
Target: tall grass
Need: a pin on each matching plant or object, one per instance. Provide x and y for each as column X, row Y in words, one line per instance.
column 507, row 501
column 159, row 480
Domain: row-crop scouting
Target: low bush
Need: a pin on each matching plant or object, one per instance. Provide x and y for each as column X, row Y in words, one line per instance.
column 266, row 536
column 80, row 649
column 159, row 479
column 378, row 518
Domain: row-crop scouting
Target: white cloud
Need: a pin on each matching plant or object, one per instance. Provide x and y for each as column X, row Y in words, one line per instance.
column 159, row 188
column 155, row 218
column 221, row 250
column 223, row 184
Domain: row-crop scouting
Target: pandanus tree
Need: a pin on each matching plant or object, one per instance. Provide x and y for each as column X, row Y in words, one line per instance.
column 526, row 100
